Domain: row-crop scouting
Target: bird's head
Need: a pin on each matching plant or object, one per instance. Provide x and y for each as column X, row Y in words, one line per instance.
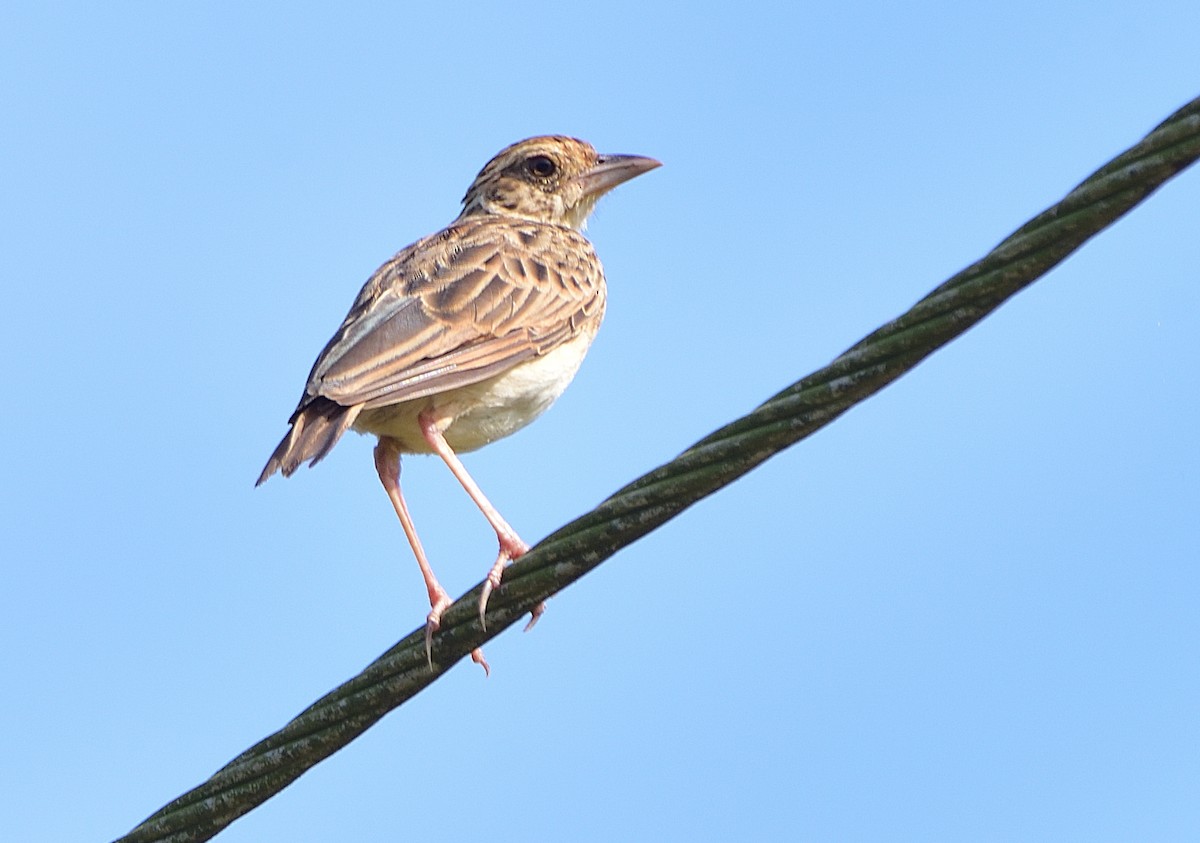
column 550, row 179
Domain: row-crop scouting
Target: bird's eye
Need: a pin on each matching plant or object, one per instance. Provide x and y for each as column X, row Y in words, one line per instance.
column 541, row 166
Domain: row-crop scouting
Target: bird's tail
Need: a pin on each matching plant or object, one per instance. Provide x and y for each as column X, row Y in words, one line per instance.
column 316, row 428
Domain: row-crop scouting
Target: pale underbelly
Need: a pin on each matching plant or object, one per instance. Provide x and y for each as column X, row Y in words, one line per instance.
column 482, row 412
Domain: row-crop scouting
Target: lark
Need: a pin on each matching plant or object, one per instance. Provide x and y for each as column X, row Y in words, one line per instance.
column 468, row 335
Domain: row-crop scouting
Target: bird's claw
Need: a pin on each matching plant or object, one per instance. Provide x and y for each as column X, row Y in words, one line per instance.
column 432, row 623
column 490, row 584
column 477, row 657
column 538, row 611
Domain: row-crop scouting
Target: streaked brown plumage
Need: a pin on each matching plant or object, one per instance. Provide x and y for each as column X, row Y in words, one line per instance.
column 469, row 334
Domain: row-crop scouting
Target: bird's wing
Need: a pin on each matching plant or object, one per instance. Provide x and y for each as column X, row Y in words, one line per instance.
column 458, row 307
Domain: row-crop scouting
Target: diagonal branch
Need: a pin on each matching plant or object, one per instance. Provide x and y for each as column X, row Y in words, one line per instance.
column 717, row 460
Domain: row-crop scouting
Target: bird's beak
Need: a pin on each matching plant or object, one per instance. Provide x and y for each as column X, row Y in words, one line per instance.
column 612, row 170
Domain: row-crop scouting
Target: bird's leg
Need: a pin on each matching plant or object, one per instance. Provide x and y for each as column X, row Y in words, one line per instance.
column 387, row 463
column 511, row 546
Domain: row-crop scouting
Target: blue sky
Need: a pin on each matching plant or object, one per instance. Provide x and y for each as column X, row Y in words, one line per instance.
column 966, row 610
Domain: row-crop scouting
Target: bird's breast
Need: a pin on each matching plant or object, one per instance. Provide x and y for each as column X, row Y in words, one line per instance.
column 486, row 411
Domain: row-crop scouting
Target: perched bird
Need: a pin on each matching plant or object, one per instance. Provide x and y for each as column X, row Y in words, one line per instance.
column 468, row 335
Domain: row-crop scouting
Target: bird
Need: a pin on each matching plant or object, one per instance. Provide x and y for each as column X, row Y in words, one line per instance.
column 468, row 335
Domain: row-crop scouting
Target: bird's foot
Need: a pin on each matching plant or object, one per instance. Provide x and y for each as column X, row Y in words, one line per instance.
column 511, row 547
column 440, row 601
column 433, row 622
